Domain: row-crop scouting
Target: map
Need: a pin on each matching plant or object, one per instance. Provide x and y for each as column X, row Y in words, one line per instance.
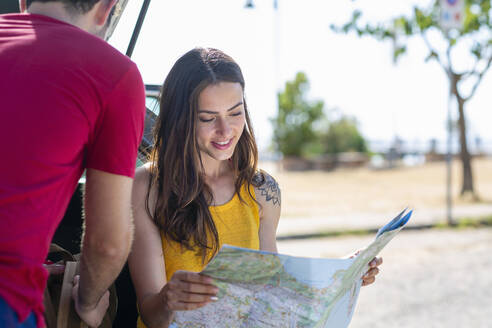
column 262, row 289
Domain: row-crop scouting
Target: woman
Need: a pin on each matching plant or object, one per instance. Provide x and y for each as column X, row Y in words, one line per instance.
column 201, row 189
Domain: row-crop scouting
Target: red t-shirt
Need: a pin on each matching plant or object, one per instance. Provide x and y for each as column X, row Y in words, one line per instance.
column 68, row 101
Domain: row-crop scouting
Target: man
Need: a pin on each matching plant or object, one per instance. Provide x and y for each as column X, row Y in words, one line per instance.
column 69, row 102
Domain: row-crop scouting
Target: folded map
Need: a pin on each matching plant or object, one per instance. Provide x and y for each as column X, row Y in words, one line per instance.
column 262, row 289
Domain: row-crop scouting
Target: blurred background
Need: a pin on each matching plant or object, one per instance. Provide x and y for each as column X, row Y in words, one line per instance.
column 360, row 109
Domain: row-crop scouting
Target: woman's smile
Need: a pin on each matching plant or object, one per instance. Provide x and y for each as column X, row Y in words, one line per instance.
column 222, row 145
column 221, row 119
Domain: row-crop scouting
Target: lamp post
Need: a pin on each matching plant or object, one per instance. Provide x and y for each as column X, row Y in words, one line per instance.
column 452, row 15
column 276, row 42
column 250, row 4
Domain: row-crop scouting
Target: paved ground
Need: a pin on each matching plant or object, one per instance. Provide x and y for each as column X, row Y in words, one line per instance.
column 431, row 278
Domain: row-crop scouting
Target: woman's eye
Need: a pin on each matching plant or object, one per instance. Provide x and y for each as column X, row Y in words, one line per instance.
column 237, row 114
column 202, row 119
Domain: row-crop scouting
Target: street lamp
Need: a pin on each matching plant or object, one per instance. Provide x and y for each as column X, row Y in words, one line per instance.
column 276, row 52
column 276, row 39
column 250, row 4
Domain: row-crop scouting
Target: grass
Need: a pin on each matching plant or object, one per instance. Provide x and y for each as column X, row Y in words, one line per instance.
column 474, row 223
column 461, row 223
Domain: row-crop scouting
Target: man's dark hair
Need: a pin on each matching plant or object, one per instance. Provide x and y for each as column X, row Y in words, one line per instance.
column 80, row 6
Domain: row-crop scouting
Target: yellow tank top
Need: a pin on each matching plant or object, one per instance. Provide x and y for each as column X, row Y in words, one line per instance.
column 237, row 223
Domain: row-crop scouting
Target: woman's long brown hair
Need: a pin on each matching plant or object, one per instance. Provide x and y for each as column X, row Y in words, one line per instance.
column 182, row 197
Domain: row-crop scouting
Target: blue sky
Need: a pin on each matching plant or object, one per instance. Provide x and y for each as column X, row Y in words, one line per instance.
column 354, row 76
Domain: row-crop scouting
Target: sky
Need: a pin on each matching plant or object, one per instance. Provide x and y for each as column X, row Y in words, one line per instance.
column 353, row 76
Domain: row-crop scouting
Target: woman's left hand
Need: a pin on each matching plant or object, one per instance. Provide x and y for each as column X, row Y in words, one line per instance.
column 370, row 275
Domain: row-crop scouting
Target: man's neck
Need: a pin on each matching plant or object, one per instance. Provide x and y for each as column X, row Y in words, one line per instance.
column 57, row 10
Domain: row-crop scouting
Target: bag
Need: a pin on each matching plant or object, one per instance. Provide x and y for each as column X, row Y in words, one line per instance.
column 58, row 294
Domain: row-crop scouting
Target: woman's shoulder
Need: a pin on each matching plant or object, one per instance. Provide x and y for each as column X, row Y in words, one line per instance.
column 142, row 175
column 267, row 190
column 142, row 180
column 143, row 197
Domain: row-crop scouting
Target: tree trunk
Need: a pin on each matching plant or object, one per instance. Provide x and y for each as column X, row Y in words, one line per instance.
column 467, row 185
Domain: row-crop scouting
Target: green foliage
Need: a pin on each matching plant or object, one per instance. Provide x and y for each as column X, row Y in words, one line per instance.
column 294, row 132
column 431, row 55
column 398, row 51
column 343, row 136
column 466, row 222
column 477, row 20
column 477, row 15
column 476, row 27
column 423, row 21
column 477, row 50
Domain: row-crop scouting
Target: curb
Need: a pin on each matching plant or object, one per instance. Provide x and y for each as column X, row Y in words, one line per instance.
column 460, row 223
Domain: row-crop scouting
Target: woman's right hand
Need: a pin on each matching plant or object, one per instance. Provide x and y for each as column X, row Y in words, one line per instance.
column 188, row 291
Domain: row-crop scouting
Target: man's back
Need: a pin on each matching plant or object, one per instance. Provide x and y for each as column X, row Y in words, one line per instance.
column 69, row 101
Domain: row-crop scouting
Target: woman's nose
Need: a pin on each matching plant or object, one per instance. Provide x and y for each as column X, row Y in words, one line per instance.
column 223, row 127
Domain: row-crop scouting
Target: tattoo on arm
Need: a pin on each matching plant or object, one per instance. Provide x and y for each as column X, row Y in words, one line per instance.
column 270, row 190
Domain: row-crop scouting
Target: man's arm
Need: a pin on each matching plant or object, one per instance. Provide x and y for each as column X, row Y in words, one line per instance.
column 108, row 233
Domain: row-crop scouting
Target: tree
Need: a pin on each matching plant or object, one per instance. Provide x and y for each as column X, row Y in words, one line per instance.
column 294, row 125
column 474, row 36
column 343, row 136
